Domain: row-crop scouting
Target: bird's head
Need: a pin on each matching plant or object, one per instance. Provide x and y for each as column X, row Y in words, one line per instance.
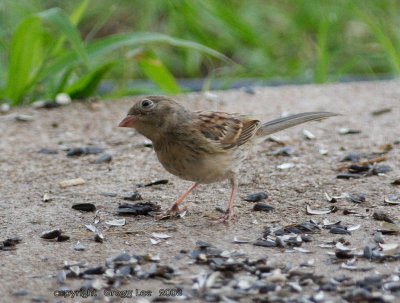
column 152, row 115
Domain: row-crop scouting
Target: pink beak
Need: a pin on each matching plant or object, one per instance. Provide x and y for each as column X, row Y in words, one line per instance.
column 128, row 121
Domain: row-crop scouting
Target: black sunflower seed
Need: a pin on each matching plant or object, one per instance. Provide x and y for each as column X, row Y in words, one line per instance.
column 357, row 198
column 84, row 207
column 339, row 230
column 137, row 209
column 256, row 197
column 265, row 243
column 10, row 243
column 132, row 196
column 342, row 254
column 79, row 151
column 347, row 176
column 51, row 234
column 381, row 216
column 48, row 151
column 158, row 182
column 353, row 157
column 381, row 169
column 356, row 169
column 62, row 238
column 262, row 207
column 94, row 271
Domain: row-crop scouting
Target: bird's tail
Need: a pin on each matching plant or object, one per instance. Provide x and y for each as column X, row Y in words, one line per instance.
column 276, row 125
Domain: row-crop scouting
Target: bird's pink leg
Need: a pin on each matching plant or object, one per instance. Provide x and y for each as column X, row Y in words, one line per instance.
column 229, row 211
column 175, row 208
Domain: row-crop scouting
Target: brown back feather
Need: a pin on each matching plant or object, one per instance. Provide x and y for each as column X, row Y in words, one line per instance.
column 227, row 130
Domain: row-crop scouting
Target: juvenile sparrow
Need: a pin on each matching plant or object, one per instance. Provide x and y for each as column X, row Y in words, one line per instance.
column 203, row 146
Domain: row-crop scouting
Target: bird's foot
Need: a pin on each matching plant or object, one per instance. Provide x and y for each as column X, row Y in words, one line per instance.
column 225, row 217
column 172, row 212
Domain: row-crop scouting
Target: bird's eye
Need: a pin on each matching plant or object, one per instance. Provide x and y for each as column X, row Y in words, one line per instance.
column 146, row 103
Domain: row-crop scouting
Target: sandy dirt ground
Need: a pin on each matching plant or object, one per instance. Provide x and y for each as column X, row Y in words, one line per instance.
column 31, row 271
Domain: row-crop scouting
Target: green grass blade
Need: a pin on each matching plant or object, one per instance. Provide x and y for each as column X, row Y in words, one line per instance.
column 391, row 52
column 75, row 17
column 86, row 86
column 321, row 70
column 62, row 82
column 110, row 44
column 25, row 58
column 62, row 23
column 156, row 71
column 77, row 14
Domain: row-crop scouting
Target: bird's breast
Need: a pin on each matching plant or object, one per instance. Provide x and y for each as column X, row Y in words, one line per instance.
column 194, row 163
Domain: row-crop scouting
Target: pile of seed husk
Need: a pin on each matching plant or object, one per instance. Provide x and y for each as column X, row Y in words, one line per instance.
column 116, row 271
column 361, row 165
column 232, row 276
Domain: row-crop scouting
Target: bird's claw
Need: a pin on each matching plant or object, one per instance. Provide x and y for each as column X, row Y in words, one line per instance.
column 224, row 218
column 172, row 212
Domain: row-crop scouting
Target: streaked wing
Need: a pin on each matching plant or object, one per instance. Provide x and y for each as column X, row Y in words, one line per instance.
column 226, row 130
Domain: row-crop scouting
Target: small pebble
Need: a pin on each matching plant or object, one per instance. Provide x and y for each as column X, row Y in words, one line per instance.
column 353, row 157
column 72, row 182
column 202, row 244
column 116, row 222
column 285, row 166
column 45, row 104
column 108, row 194
column 4, row 108
column 378, row 237
column 21, row 293
column 61, row 277
column 132, row 196
column 46, row 198
column 248, row 90
column 381, row 169
column 283, row 151
column 357, row 198
column 63, row 99
column 323, row 151
column 103, row 158
column 79, row 246
column 23, row 118
column 39, row 299
column 308, row 135
column 348, row 131
column 48, row 151
column 368, row 251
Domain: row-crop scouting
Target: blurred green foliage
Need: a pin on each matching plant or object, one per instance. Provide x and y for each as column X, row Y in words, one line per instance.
column 82, row 43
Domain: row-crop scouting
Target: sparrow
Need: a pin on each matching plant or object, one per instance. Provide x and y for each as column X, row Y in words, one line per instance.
column 203, row 146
